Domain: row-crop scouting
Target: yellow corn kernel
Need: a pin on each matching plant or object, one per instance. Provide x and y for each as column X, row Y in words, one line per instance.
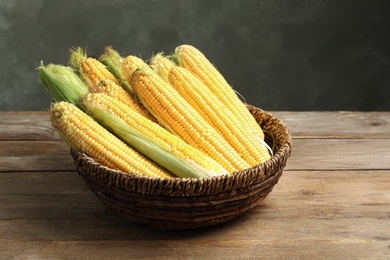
column 162, row 65
column 86, row 135
column 90, row 69
column 154, row 131
column 95, row 71
column 196, row 62
column 218, row 115
column 176, row 114
column 112, row 89
column 130, row 64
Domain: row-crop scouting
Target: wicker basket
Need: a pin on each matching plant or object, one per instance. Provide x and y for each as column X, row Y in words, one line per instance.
column 172, row 204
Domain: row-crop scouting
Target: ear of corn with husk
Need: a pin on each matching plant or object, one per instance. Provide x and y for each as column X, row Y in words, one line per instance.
column 195, row 61
column 113, row 60
column 61, row 83
column 177, row 113
column 99, row 78
column 86, row 135
column 218, row 115
column 150, row 139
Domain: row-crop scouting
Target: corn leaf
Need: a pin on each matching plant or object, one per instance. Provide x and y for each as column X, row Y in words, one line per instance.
column 147, row 146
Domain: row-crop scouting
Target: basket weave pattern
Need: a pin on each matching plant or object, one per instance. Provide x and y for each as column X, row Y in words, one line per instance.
column 189, row 203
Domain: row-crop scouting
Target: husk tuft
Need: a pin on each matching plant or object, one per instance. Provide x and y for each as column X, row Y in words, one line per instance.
column 113, row 60
column 61, row 83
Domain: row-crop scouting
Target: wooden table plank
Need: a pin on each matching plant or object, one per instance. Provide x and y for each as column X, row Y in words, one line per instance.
column 26, row 125
column 182, row 249
column 306, row 214
column 322, row 196
column 339, row 154
column 45, row 195
column 307, row 154
column 336, row 124
column 35, row 156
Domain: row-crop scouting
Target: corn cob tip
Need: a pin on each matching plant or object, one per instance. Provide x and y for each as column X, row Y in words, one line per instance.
column 162, row 64
column 61, row 82
column 182, row 47
column 77, row 55
column 155, row 57
column 90, row 69
column 111, row 55
column 113, row 61
column 130, row 64
column 175, row 59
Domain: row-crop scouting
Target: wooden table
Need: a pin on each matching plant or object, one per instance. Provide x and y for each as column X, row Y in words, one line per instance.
column 333, row 200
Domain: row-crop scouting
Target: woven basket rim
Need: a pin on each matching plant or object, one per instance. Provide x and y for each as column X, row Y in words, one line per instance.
column 89, row 168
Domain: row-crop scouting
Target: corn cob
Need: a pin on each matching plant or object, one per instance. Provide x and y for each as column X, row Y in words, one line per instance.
column 63, row 84
column 162, row 65
column 189, row 161
column 99, row 79
column 130, row 64
column 195, row 61
column 90, row 69
column 112, row 89
column 193, row 90
column 86, row 135
column 179, row 117
column 113, row 60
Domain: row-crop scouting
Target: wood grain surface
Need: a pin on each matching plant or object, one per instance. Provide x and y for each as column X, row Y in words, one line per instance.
column 332, row 202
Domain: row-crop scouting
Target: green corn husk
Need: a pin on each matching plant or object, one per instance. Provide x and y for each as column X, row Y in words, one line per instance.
column 77, row 55
column 113, row 60
column 62, row 83
column 146, row 145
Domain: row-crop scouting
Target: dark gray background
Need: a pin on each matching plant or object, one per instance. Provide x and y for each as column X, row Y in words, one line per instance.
column 280, row 55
